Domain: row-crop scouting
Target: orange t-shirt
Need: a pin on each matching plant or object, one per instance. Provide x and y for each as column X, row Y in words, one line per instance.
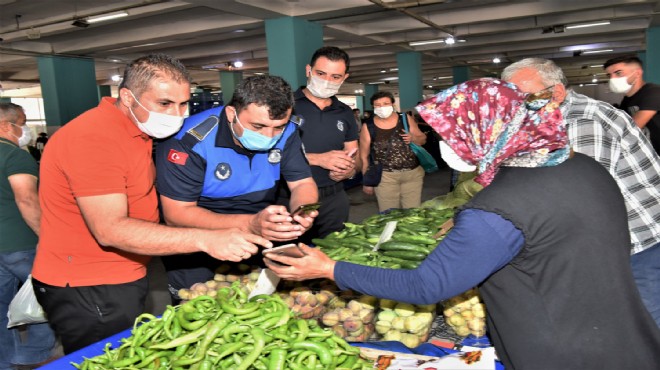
column 99, row 152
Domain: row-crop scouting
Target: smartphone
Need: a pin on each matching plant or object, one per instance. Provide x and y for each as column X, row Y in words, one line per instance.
column 306, row 208
column 289, row 250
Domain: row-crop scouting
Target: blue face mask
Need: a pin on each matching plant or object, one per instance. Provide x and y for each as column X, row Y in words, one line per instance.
column 253, row 140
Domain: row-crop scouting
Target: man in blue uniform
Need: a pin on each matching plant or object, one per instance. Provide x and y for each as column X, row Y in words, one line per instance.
column 329, row 134
column 223, row 168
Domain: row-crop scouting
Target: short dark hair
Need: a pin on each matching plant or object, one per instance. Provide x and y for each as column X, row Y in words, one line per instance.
column 141, row 71
column 10, row 112
column 626, row 59
column 332, row 53
column 380, row 95
column 269, row 91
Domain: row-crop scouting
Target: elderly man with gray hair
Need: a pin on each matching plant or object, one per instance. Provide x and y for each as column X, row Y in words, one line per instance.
column 611, row 137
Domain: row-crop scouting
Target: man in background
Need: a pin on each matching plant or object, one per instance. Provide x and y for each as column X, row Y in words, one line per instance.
column 641, row 100
column 329, row 135
column 19, row 233
column 610, row 137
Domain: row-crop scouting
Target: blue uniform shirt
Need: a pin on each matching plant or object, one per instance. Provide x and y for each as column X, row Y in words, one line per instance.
column 202, row 163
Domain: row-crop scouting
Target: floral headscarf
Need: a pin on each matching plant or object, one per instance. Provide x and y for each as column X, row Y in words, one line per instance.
column 487, row 124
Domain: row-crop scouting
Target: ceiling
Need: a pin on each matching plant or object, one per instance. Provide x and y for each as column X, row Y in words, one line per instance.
column 207, row 34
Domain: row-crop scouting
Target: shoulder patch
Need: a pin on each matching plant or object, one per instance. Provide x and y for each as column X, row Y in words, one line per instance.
column 297, row 120
column 202, row 130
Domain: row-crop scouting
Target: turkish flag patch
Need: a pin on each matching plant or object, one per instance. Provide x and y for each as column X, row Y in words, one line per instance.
column 177, row 157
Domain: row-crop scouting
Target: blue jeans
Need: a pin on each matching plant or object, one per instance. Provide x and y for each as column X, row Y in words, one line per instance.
column 36, row 344
column 646, row 271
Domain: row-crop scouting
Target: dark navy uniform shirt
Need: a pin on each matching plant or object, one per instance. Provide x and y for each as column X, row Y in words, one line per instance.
column 324, row 130
column 202, row 163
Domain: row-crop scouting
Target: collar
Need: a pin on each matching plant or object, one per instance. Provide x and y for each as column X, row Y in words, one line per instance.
column 7, row 141
column 109, row 107
column 224, row 138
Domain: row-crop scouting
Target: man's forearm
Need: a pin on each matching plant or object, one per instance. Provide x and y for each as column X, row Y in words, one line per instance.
column 198, row 217
column 30, row 211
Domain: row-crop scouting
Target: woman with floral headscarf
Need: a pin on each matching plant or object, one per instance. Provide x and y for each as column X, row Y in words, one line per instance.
column 546, row 240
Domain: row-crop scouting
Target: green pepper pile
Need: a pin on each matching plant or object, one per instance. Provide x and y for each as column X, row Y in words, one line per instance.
column 228, row 332
column 411, row 241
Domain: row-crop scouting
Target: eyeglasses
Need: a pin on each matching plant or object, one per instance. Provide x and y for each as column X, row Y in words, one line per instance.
column 540, row 99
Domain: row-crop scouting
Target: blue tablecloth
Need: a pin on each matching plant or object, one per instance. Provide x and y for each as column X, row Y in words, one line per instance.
column 96, row 349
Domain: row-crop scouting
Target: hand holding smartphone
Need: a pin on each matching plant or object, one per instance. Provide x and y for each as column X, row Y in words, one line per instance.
column 288, row 250
column 305, row 208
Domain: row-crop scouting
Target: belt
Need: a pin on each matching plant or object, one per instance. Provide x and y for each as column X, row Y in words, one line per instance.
column 327, row 191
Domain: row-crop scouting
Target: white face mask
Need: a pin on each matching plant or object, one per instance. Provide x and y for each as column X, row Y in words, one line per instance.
column 384, row 112
column 620, row 85
column 322, row 88
column 158, row 125
column 26, row 135
column 453, row 160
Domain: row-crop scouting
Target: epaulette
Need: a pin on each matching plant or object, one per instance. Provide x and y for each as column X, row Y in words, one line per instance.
column 297, row 120
column 199, row 132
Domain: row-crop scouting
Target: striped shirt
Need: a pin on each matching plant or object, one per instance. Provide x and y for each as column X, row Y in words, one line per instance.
column 610, row 136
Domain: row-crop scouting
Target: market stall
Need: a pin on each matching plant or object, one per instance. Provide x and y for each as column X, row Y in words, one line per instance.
column 221, row 324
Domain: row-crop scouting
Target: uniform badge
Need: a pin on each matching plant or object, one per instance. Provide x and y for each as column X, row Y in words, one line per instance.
column 274, row 156
column 340, row 125
column 223, row 171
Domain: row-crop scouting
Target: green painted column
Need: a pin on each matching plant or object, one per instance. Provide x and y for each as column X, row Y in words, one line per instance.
column 68, row 87
column 228, row 83
column 461, row 74
column 5, row 100
column 652, row 74
column 359, row 103
column 104, row 90
column 410, row 79
column 369, row 91
column 290, row 43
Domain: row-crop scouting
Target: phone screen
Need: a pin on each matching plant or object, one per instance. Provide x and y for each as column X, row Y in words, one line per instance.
column 306, row 208
column 289, row 250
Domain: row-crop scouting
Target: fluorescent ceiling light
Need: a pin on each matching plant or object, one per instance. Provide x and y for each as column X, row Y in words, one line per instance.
column 583, row 25
column 105, row 17
column 393, row 69
column 596, row 66
column 496, row 60
column 238, row 64
column 597, row 51
column 427, row 42
column 450, row 41
column 445, row 77
column 390, row 78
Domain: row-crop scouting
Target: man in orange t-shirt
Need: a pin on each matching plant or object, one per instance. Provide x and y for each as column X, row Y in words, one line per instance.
column 99, row 221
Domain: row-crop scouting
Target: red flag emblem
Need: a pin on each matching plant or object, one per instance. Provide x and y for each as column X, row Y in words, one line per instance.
column 177, row 157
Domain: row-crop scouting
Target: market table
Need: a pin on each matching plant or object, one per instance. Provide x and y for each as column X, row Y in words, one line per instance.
column 96, row 349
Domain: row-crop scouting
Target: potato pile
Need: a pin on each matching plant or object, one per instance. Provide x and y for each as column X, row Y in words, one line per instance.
column 306, row 302
column 351, row 317
column 466, row 314
column 225, row 275
column 404, row 322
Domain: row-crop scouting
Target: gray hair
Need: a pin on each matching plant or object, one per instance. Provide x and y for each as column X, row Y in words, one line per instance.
column 11, row 112
column 550, row 72
column 140, row 72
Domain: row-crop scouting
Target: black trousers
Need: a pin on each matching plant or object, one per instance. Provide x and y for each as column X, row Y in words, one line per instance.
column 335, row 206
column 81, row 316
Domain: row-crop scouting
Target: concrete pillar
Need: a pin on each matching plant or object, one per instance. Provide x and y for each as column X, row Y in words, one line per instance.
column 228, row 83
column 461, row 74
column 410, row 79
column 291, row 42
column 652, row 60
column 68, row 87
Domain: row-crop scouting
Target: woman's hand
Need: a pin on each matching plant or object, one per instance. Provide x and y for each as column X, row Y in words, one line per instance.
column 314, row 265
column 369, row 190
